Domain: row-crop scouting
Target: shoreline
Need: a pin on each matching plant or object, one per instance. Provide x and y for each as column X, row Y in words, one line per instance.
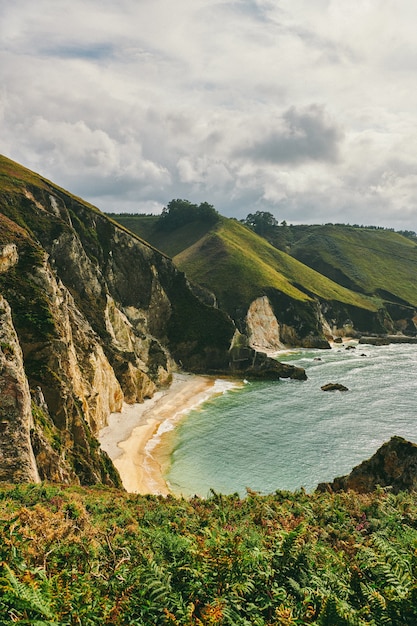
column 132, row 436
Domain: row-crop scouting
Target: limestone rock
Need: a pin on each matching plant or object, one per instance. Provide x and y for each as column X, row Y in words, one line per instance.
column 17, row 461
column 249, row 363
column 100, row 317
column 263, row 326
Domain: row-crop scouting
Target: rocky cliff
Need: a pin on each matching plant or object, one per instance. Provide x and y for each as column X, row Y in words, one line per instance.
column 92, row 317
column 393, row 466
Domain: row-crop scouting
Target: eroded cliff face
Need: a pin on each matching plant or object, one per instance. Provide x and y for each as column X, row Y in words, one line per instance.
column 91, row 317
column 17, row 461
column 275, row 321
column 263, row 327
column 99, row 318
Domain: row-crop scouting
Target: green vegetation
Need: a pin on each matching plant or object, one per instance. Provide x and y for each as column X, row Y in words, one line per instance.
column 262, row 223
column 95, row 557
column 371, row 261
column 28, row 299
column 239, row 266
column 180, row 225
column 362, row 274
column 180, row 212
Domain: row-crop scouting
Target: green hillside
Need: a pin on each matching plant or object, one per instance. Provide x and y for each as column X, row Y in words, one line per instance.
column 366, row 275
column 239, row 266
column 371, row 261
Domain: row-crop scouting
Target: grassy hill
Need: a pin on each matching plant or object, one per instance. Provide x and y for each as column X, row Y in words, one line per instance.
column 366, row 275
column 239, row 266
column 370, row 261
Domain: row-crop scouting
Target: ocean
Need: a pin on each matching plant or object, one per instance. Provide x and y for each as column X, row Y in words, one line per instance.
column 288, row 435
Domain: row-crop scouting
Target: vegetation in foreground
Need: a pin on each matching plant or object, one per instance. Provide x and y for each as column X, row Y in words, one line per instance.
column 73, row 555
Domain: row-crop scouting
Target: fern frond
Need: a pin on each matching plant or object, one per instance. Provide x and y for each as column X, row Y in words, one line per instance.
column 377, row 605
column 28, row 596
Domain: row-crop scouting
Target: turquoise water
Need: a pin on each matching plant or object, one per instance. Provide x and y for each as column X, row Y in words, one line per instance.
column 290, row 434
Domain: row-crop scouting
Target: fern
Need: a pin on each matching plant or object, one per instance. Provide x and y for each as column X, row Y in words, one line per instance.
column 24, row 598
column 377, row 606
column 337, row 612
column 157, row 583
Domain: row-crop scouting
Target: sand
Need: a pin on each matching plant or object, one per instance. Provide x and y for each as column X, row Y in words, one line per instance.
column 132, row 436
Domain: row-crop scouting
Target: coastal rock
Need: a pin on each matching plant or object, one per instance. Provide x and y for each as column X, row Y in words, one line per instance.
column 263, row 326
column 393, row 466
column 385, row 340
column 93, row 317
column 246, row 362
column 17, row 461
column 100, row 318
column 334, row 387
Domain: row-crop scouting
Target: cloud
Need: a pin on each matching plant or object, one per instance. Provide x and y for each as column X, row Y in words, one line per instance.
column 302, row 136
column 307, row 110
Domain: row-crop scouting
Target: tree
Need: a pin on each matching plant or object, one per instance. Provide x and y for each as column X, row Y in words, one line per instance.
column 180, row 212
column 262, row 222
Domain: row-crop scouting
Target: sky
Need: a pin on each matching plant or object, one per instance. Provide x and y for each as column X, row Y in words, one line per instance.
column 306, row 109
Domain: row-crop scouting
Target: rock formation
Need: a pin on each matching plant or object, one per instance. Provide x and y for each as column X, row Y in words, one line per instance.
column 17, row 461
column 394, row 466
column 333, row 387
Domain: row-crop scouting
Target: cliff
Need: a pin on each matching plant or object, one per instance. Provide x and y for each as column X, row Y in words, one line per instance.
column 394, row 466
column 93, row 316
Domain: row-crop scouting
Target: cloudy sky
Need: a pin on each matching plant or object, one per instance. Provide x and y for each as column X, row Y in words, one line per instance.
column 304, row 108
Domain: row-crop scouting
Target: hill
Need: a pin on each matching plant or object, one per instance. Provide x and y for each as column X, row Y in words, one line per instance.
column 327, row 281
column 375, row 262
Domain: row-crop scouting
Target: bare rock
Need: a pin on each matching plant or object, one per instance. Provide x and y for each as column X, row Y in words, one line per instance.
column 334, row 387
column 17, row 461
column 394, row 466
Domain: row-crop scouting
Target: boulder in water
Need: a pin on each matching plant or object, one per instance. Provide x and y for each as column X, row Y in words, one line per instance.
column 334, row 387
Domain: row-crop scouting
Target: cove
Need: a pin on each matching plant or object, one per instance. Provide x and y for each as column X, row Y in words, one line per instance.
column 288, row 435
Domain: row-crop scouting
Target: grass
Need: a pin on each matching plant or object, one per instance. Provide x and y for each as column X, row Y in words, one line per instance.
column 368, row 260
column 239, row 266
column 358, row 267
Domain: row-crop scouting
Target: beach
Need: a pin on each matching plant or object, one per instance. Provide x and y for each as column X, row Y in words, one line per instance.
column 133, row 436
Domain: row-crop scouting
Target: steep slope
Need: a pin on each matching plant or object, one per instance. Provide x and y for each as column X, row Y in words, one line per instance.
column 240, row 268
column 347, row 280
column 375, row 262
column 92, row 316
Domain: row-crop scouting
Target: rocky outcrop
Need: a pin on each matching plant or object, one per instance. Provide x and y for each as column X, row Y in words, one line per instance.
column 100, row 318
column 385, row 340
column 393, row 466
column 301, row 323
column 249, row 363
column 263, row 327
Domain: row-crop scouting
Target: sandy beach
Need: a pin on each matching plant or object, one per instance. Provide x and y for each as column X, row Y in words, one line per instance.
column 132, row 436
